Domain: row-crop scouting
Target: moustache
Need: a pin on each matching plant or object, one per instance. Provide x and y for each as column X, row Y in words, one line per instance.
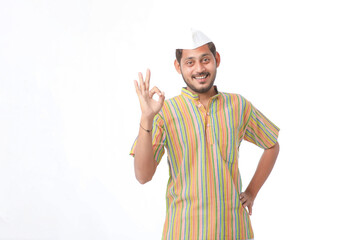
column 201, row 74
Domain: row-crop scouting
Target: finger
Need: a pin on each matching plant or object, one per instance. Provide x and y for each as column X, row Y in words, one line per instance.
column 137, row 87
column 162, row 98
column 142, row 84
column 160, row 94
column 241, row 196
column 147, row 79
column 155, row 90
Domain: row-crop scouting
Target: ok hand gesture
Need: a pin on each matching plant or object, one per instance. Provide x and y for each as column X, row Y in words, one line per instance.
column 149, row 106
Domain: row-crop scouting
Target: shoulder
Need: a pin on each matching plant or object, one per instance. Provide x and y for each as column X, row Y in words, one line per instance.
column 170, row 101
column 236, row 102
column 176, row 98
column 170, row 105
column 234, row 98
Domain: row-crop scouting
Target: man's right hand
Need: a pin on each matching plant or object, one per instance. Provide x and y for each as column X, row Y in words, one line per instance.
column 145, row 164
column 149, row 106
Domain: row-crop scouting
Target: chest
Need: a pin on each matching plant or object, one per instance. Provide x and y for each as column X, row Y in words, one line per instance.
column 189, row 124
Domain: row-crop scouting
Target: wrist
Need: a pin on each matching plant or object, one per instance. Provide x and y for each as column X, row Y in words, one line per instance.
column 146, row 122
column 251, row 193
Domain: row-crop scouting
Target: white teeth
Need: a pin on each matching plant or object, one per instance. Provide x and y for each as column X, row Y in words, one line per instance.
column 200, row 77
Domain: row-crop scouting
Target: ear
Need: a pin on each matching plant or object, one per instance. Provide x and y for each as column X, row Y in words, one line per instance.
column 217, row 57
column 177, row 66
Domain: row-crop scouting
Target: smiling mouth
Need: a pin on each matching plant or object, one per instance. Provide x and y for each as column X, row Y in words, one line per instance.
column 201, row 76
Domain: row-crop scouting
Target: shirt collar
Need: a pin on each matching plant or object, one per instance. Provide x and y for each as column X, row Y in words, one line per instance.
column 195, row 97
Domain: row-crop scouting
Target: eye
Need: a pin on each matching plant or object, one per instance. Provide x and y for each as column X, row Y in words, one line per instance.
column 206, row 60
column 189, row 63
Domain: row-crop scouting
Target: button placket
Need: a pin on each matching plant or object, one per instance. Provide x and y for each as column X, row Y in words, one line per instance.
column 205, row 114
column 208, row 127
column 202, row 113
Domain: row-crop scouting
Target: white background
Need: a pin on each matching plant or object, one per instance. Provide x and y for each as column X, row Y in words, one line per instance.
column 69, row 112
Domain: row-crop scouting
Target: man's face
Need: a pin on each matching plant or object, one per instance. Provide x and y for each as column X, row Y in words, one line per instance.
column 198, row 68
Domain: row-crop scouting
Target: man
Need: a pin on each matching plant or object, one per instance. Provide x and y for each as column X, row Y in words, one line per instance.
column 202, row 130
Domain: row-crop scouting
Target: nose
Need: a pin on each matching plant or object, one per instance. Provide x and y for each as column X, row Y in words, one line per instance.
column 200, row 67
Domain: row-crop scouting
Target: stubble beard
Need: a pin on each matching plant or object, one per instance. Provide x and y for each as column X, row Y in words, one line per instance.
column 203, row 89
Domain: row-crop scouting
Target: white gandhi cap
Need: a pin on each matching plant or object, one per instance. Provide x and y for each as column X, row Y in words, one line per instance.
column 191, row 39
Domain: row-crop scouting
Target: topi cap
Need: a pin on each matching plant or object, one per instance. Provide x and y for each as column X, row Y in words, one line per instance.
column 192, row 39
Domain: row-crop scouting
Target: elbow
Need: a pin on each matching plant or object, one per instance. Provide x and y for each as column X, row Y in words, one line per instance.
column 142, row 180
column 143, row 177
column 144, row 172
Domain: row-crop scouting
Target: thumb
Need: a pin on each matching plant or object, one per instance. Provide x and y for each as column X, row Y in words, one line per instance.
column 250, row 209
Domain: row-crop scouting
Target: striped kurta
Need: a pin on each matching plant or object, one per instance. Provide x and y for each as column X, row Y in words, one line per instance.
column 202, row 196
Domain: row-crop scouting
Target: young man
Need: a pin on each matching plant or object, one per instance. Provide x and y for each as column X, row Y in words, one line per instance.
column 202, row 130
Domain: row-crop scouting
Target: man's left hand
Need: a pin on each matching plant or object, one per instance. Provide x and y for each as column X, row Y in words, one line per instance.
column 247, row 200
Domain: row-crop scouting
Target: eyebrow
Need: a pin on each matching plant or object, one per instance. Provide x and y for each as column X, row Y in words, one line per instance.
column 190, row 58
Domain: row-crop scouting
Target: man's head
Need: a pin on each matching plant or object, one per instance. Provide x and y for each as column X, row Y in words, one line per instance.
column 178, row 52
column 198, row 66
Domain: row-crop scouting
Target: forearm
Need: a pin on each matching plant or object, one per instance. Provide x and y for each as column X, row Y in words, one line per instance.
column 264, row 168
column 144, row 163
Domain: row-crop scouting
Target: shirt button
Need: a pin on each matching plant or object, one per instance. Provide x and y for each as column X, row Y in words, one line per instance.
column 199, row 105
column 208, row 125
column 208, row 114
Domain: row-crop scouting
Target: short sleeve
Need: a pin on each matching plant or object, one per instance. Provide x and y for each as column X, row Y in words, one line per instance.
column 260, row 130
column 158, row 139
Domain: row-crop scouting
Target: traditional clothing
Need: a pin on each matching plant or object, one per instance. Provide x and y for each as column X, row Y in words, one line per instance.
column 202, row 146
